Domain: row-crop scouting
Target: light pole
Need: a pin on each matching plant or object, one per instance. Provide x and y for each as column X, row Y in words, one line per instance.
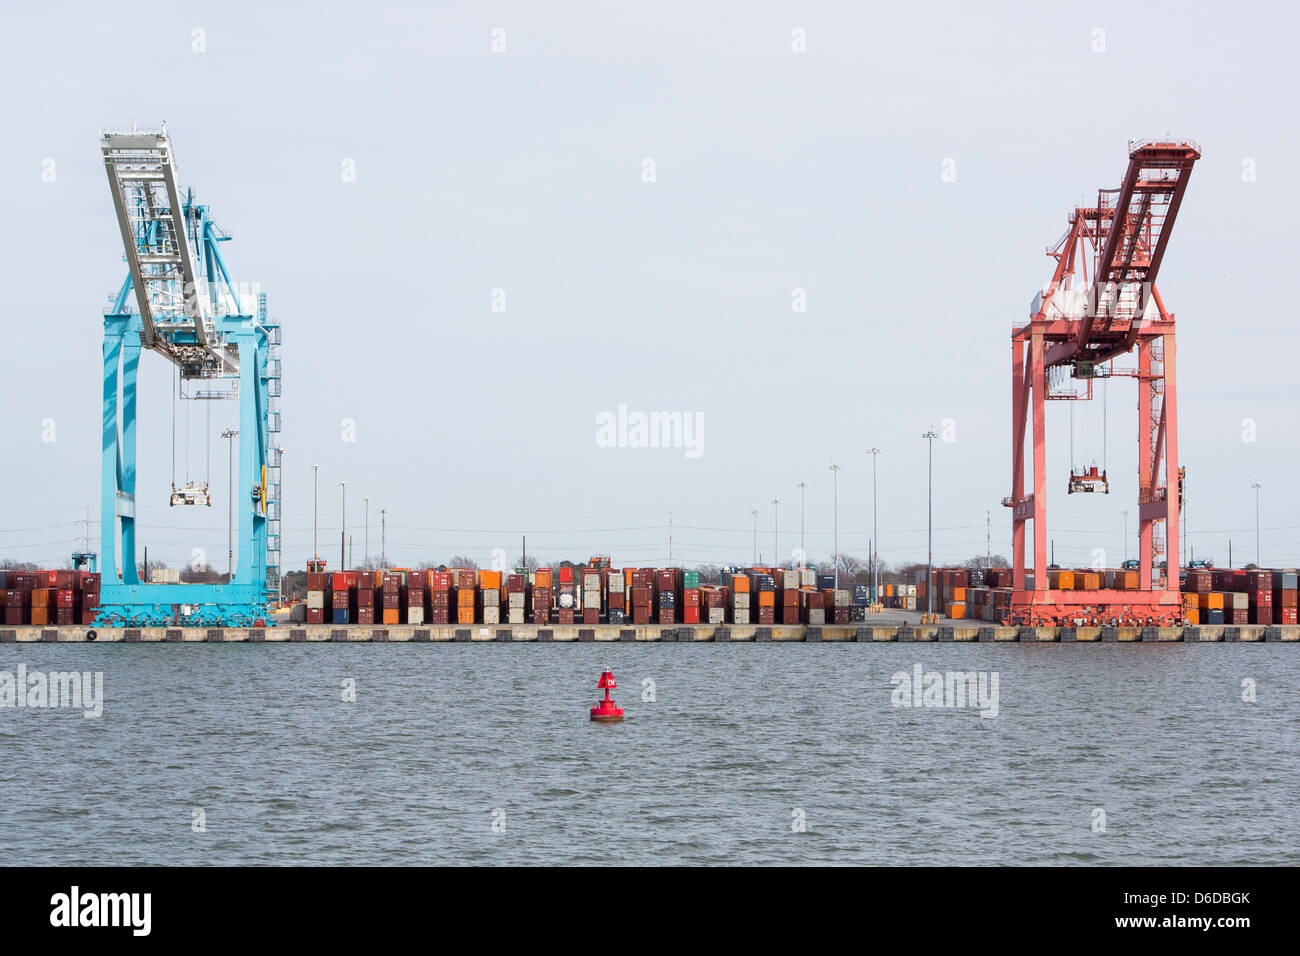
column 365, row 541
column 755, row 514
column 230, row 434
column 835, row 478
column 315, row 512
column 383, row 539
column 1257, row 485
column 776, row 520
column 803, row 555
column 343, row 534
column 875, row 533
column 929, row 436
column 1125, row 514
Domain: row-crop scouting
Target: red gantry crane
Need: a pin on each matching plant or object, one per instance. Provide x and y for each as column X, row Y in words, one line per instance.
column 1078, row 326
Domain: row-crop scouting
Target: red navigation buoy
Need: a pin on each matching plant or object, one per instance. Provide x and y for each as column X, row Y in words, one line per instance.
column 605, row 711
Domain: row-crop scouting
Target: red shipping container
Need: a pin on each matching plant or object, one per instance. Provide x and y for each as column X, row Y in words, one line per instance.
column 66, row 597
column 641, row 614
column 789, row 598
column 316, row 581
column 1286, row 615
column 667, row 615
column 691, row 614
column 365, row 615
column 440, row 615
column 790, row 614
column 315, row 615
column 1262, row 614
column 564, row 615
column 440, row 580
column 591, row 615
column 13, row 615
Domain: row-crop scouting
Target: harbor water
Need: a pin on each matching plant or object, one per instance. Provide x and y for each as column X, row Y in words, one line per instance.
column 338, row 754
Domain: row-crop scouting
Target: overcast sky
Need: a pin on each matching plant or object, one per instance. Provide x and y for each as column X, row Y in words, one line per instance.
column 774, row 170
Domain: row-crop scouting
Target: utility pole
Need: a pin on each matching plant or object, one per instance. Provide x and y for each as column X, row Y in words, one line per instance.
column 835, row 479
column 383, row 539
column 670, row 539
column 875, row 531
column 365, row 541
column 1125, row 514
column 755, row 514
column 343, row 532
column 930, row 436
column 803, row 555
column 988, row 539
column 1257, row 485
column 315, row 512
column 776, row 520
column 230, row 434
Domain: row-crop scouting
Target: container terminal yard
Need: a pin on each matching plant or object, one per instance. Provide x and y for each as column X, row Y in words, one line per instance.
column 180, row 301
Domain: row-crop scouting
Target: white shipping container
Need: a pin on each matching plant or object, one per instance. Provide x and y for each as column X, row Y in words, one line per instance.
column 591, row 600
column 492, row 614
column 415, row 614
column 717, row 615
column 516, row 599
column 740, row 615
column 741, row 600
column 316, row 600
column 515, row 615
column 816, row 615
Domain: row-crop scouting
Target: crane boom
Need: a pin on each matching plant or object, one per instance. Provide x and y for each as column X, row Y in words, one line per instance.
column 162, row 233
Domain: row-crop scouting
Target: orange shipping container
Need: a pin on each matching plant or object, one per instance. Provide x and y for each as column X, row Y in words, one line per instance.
column 542, row 578
column 957, row 610
column 465, row 597
column 392, row 615
column 465, row 615
column 1061, row 580
column 1189, row 599
column 489, row 579
column 958, row 596
column 1211, row 601
column 767, row 599
column 1088, row 580
column 1192, row 615
column 740, row 584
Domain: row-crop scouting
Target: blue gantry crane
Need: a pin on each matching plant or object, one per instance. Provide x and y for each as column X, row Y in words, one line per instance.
column 180, row 301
